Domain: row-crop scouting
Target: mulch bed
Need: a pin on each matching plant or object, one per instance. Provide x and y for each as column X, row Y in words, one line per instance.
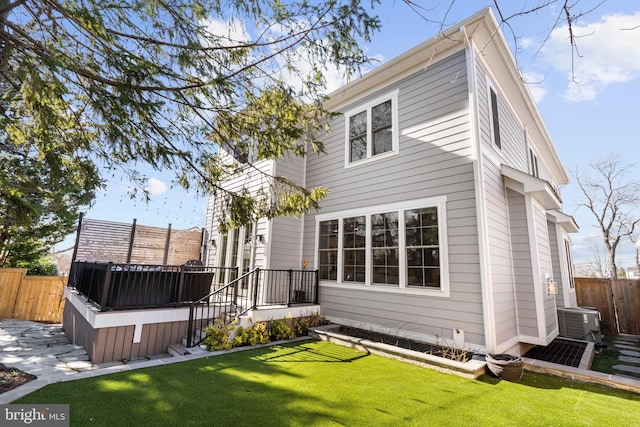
column 422, row 347
column 11, row 378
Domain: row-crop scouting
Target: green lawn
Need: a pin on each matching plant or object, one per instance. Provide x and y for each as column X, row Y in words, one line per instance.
column 318, row 383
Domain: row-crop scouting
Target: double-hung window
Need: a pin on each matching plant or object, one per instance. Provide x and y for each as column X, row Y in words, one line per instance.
column 328, row 250
column 372, row 130
column 384, row 248
column 422, row 246
column 400, row 246
column 353, row 248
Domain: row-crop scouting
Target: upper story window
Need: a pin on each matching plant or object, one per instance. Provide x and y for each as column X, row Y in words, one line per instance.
column 372, row 130
column 244, row 152
column 495, row 119
column 533, row 164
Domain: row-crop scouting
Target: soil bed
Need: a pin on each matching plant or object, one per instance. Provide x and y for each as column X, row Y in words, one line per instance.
column 11, row 378
column 422, row 347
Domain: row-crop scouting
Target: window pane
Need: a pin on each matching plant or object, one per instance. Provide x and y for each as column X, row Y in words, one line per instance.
column 381, row 115
column 358, row 136
column 382, row 141
column 384, row 229
column 381, row 128
column 385, row 266
column 430, row 236
column 358, row 148
column 358, row 125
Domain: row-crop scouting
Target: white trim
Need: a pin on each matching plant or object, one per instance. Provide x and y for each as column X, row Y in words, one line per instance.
column 395, row 145
column 507, row 345
column 486, row 285
column 399, row 332
column 539, row 288
column 110, row 319
column 537, row 188
column 438, row 202
column 530, row 339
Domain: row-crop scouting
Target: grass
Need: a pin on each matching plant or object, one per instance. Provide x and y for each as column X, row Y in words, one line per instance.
column 607, row 358
column 318, row 383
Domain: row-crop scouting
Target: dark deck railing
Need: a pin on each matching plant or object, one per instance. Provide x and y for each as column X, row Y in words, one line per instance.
column 121, row 286
column 255, row 289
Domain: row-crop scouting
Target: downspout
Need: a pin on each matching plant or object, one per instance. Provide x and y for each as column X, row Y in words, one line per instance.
column 486, row 287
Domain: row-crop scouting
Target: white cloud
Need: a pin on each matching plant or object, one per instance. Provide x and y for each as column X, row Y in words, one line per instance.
column 525, row 42
column 535, row 83
column 234, row 31
column 608, row 52
column 155, row 187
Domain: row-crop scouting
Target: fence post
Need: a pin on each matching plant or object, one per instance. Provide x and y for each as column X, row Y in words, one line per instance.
column 290, row 287
column 190, row 326
column 180, row 285
column 105, row 286
column 256, row 282
column 317, row 287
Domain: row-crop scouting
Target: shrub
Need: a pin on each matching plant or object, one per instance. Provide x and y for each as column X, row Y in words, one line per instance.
column 281, row 331
column 302, row 324
column 219, row 334
column 257, row 334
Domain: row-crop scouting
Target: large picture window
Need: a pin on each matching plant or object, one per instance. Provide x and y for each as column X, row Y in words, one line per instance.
column 388, row 246
column 372, row 129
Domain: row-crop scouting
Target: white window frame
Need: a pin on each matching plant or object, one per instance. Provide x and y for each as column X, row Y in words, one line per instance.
column 438, row 202
column 393, row 97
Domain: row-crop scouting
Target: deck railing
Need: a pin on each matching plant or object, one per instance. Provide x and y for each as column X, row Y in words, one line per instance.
column 121, row 286
column 255, row 289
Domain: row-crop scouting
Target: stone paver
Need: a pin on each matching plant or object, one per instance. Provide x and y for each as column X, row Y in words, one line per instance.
column 629, row 338
column 631, row 353
column 37, row 348
column 625, row 346
column 629, row 359
column 627, row 368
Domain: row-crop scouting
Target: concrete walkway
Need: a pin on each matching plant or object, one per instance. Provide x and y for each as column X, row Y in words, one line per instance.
column 45, row 351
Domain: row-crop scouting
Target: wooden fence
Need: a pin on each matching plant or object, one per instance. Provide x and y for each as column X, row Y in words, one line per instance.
column 617, row 300
column 106, row 241
column 36, row 298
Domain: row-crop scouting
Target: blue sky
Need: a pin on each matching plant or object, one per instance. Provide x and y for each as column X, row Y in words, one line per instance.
column 590, row 103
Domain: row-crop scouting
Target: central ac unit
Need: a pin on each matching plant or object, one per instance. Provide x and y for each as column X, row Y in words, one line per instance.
column 579, row 323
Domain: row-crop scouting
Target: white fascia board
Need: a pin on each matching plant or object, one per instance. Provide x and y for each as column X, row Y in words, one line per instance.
column 538, row 188
column 565, row 220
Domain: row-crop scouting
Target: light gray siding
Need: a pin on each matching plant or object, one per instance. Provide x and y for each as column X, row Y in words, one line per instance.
column 284, row 240
column 435, row 159
column 514, row 149
column 546, row 269
column 499, row 257
column 254, row 177
column 555, row 261
column 523, row 270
